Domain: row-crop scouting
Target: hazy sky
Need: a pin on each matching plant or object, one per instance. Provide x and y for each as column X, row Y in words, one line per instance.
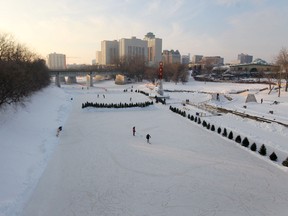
column 208, row 27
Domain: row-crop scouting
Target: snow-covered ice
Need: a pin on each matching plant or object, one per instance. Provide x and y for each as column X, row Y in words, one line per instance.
column 97, row 167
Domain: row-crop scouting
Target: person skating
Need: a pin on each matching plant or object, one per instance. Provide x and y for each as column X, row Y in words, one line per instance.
column 58, row 131
column 148, row 137
column 134, row 131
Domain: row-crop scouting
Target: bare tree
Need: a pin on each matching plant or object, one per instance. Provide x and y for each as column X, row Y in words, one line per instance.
column 22, row 72
column 133, row 66
column 207, row 64
column 282, row 61
column 151, row 73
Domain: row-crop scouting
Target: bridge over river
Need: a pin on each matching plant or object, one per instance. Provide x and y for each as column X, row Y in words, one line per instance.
column 60, row 74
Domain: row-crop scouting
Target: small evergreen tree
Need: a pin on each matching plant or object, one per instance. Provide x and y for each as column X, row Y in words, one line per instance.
column 192, row 118
column 208, row 126
column 224, row 133
column 245, row 142
column 285, row 162
column 199, row 121
column 230, row 136
column 188, row 116
column 238, row 139
column 219, row 130
column 253, row 147
column 263, row 150
column 204, row 124
column 273, row 157
column 212, row 128
column 196, row 119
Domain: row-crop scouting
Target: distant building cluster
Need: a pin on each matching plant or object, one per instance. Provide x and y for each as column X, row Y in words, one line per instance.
column 171, row 57
column 201, row 63
column 150, row 48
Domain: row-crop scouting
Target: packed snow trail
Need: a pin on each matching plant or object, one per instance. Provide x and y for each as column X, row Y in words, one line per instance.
column 100, row 168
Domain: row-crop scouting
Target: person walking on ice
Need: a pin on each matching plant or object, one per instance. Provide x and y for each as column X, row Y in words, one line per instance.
column 58, row 131
column 134, row 131
column 148, row 137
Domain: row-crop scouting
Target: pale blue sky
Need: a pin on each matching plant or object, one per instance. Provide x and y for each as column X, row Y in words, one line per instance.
column 208, row 27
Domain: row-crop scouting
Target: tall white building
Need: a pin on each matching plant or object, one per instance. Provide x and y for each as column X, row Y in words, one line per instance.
column 56, row 61
column 171, row 57
column 109, row 52
column 132, row 47
column 154, row 51
column 112, row 51
column 98, row 57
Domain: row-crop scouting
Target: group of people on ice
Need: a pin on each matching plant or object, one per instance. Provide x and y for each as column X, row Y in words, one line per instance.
column 147, row 136
column 59, row 129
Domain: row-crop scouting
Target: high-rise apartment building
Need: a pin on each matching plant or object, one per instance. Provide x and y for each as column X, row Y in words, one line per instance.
column 98, row 57
column 56, row 61
column 112, row 51
column 196, row 59
column 171, row 57
column 109, row 52
column 132, row 47
column 154, row 49
column 244, row 58
column 185, row 59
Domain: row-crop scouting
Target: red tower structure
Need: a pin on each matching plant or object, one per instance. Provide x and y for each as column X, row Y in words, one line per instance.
column 160, row 75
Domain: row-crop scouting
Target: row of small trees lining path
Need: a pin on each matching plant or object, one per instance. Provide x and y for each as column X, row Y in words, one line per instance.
column 214, row 109
column 244, row 142
column 119, row 105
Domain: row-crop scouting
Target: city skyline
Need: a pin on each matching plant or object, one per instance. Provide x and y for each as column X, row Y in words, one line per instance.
column 223, row 28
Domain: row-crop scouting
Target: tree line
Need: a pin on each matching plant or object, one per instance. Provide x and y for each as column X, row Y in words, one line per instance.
column 224, row 132
column 113, row 105
column 136, row 67
column 22, row 71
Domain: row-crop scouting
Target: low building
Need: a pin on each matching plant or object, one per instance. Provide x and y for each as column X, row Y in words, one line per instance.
column 257, row 66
